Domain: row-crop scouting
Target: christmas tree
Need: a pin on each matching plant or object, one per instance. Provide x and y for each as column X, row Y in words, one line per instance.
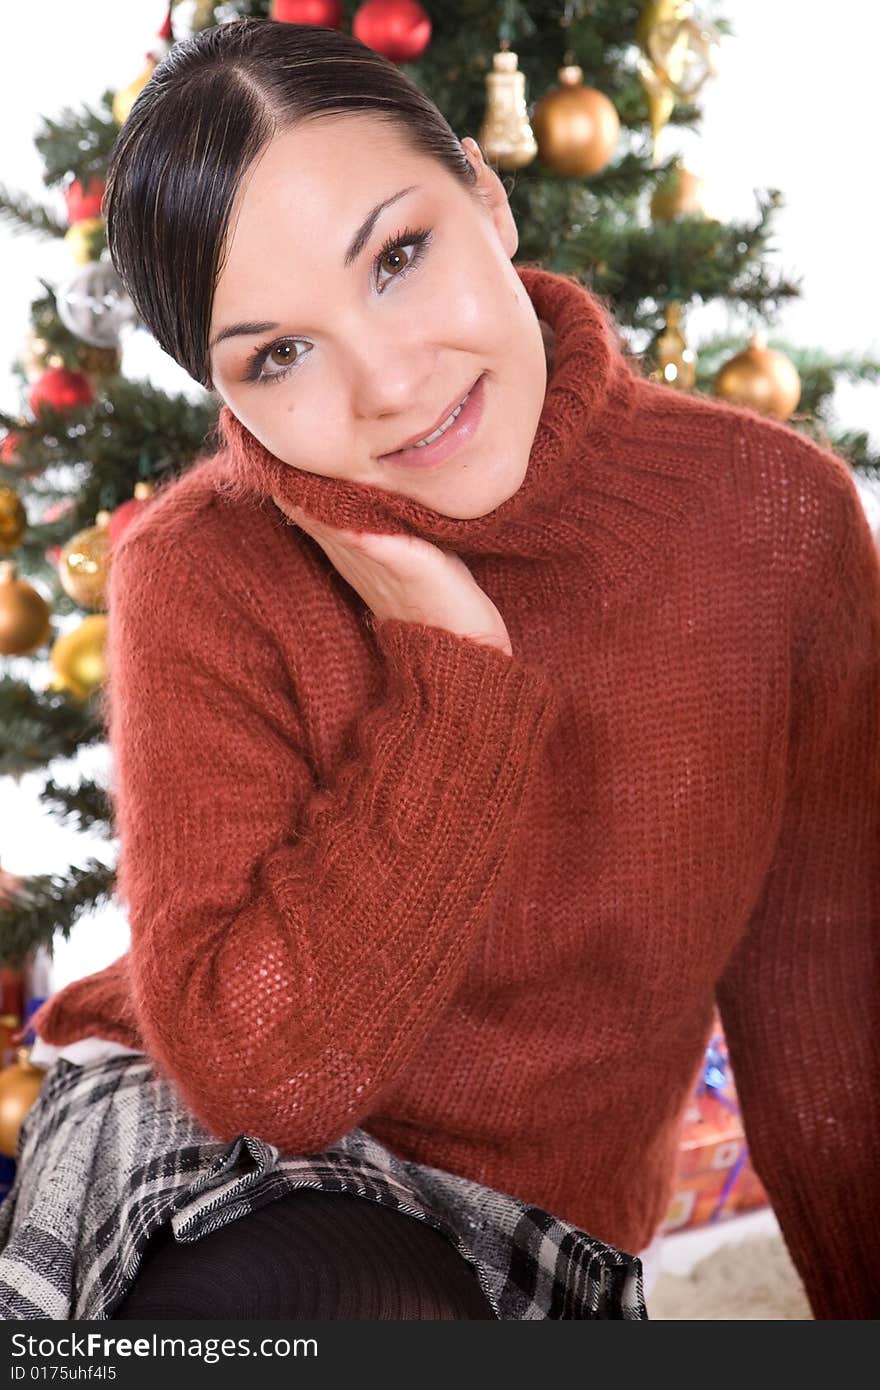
column 576, row 106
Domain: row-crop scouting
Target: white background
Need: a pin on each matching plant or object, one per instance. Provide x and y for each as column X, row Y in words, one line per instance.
column 793, row 108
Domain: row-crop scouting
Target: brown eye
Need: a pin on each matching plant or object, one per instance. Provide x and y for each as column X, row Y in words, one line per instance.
column 400, row 254
column 286, row 354
column 394, row 260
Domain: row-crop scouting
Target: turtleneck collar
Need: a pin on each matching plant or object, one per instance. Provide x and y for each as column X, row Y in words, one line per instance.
column 591, row 388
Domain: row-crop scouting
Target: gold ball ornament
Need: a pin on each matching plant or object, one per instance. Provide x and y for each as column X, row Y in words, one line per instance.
column 84, row 564
column 19, row 1087
column 79, row 658
column 577, row 128
column 680, row 194
column 761, row 378
column 25, row 616
column 126, row 97
column 86, row 239
column 13, row 519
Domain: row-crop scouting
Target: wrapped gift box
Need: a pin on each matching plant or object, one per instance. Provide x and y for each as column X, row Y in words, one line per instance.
column 714, row 1177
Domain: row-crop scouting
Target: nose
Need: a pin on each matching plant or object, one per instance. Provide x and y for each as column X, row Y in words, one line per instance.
column 390, row 380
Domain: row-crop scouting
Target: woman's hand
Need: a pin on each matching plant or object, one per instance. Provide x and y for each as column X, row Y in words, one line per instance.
column 407, row 578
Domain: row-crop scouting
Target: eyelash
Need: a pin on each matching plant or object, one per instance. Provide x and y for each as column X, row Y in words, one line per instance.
column 418, row 238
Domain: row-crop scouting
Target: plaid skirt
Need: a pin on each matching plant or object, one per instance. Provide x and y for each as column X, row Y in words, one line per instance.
column 109, row 1153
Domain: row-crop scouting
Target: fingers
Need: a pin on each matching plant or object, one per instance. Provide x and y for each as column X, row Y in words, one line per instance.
column 295, row 513
column 308, row 523
column 318, row 530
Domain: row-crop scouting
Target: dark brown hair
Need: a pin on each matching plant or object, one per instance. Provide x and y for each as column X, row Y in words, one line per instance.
column 210, row 107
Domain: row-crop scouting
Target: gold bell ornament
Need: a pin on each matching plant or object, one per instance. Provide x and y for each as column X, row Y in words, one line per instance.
column 761, row 378
column 86, row 239
column 19, row 1087
column 37, row 356
column 505, row 135
column 676, row 362
column 25, row 616
column 99, row 365
column 126, row 97
column 577, row 127
column 13, row 519
column 79, row 658
column 84, row 564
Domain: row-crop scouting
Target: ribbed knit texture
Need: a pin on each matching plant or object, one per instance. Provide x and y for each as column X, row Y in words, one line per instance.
column 382, row 875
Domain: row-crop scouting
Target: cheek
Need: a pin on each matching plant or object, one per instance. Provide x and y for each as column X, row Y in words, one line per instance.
column 307, row 433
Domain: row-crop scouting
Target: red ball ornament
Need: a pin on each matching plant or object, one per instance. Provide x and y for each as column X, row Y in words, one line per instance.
column 61, row 389
column 121, row 516
column 83, row 203
column 398, row 29
column 9, row 451
column 9, row 447
column 326, row 14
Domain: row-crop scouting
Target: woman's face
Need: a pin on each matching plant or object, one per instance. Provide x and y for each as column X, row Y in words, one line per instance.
column 355, row 360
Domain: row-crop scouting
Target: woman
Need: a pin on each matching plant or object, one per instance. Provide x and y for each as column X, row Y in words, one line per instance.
column 482, row 714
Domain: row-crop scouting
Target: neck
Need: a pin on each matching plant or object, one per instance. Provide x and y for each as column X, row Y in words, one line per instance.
column 590, row 390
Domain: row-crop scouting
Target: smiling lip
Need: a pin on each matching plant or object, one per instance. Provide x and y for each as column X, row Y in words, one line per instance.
column 444, row 415
column 459, row 433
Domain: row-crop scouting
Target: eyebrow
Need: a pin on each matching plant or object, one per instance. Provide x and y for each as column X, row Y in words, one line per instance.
column 356, row 246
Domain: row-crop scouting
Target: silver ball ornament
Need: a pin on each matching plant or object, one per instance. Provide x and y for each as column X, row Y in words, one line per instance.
column 95, row 306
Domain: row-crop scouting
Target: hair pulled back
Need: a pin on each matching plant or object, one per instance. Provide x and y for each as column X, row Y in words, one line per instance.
column 209, row 109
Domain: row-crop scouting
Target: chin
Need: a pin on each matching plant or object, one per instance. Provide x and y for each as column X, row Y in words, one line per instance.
column 491, row 494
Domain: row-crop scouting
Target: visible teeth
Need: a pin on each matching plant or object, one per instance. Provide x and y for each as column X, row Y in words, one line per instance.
column 420, row 444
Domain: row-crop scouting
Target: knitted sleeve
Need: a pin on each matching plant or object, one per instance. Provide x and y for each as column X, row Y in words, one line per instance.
column 799, row 1000
column 292, row 943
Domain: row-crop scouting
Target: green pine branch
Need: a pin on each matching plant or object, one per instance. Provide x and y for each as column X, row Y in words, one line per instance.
column 48, row 903
column 84, row 807
column 18, row 212
column 77, row 143
column 133, row 431
column 39, row 726
column 855, row 447
column 591, row 228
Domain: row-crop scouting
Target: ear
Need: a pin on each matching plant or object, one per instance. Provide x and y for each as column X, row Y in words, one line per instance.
column 493, row 196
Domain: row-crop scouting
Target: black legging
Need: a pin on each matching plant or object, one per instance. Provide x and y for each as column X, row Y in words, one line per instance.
column 308, row 1254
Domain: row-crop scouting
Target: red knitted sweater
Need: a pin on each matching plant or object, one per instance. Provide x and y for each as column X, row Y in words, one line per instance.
column 382, row 875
